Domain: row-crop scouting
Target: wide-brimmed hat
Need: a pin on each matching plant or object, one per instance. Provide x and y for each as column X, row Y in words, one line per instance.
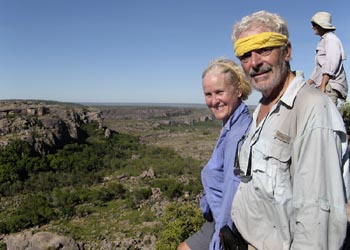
column 323, row 19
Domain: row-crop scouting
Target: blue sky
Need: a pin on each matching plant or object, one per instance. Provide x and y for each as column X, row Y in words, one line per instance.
column 136, row 51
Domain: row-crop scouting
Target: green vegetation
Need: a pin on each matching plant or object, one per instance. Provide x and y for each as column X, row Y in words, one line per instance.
column 180, row 221
column 84, row 180
column 345, row 111
column 3, row 246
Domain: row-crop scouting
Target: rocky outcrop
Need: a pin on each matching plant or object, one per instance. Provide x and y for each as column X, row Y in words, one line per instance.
column 42, row 240
column 142, row 113
column 161, row 116
column 46, row 126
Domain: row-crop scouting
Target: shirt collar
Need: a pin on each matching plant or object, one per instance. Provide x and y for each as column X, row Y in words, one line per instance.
column 294, row 86
column 242, row 108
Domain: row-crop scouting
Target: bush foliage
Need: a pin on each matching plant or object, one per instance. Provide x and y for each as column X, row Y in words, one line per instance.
column 72, row 183
column 180, row 221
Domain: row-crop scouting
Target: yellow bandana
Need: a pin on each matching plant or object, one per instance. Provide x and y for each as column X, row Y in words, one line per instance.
column 259, row 41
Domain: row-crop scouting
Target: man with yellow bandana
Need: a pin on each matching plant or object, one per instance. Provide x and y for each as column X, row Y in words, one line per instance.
column 293, row 163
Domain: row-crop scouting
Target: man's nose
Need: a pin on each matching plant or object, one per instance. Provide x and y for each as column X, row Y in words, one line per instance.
column 255, row 58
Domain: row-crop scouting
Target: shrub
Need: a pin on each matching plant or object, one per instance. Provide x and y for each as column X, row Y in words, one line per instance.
column 179, row 222
column 345, row 111
column 13, row 161
column 35, row 210
column 137, row 196
column 3, row 246
column 169, row 186
column 118, row 190
column 194, row 188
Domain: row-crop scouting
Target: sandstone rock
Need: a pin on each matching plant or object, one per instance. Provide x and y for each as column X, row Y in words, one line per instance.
column 42, row 240
column 148, row 174
column 45, row 126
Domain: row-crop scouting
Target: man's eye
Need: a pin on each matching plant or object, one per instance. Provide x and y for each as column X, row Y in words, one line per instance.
column 264, row 51
column 246, row 56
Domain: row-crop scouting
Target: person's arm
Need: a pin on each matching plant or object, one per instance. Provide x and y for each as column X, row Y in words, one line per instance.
column 231, row 182
column 204, row 205
column 332, row 61
column 310, row 82
column 313, row 74
column 318, row 193
column 325, row 79
column 230, row 186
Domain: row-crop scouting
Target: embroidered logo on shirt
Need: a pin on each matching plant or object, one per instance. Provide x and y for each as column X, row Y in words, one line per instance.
column 282, row 137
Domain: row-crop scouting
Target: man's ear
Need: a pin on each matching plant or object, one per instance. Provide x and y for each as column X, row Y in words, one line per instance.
column 288, row 55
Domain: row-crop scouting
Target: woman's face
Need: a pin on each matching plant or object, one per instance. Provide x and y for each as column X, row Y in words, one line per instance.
column 220, row 96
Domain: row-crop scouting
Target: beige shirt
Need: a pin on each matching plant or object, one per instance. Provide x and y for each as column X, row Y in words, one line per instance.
column 296, row 197
column 329, row 60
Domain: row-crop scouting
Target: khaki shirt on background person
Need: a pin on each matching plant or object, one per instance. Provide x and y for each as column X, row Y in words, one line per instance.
column 328, row 60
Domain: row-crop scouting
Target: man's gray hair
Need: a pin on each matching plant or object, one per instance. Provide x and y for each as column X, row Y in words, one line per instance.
column 269, row 21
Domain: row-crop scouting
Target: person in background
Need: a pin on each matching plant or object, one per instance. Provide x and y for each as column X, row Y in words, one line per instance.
column 291, row 194
column 328, row 74
column 224, row 88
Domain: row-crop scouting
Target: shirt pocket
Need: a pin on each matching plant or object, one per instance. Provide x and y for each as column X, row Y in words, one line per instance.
column 321, row 55
column 271, row 173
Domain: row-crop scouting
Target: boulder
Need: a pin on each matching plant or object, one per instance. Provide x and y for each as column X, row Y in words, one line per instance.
column 26, row 240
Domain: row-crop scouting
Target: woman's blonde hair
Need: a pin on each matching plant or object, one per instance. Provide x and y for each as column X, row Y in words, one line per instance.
column 235, row 72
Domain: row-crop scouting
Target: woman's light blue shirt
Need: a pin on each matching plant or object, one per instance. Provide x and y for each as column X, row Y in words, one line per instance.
column 218, row 180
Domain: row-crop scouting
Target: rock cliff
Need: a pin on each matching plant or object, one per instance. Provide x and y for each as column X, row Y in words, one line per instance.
column 45, row 125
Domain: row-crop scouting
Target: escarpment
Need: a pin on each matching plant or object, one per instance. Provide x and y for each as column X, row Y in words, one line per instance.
column 46, row 126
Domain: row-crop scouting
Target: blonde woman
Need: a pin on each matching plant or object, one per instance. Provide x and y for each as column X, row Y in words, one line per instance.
column 224, row 88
